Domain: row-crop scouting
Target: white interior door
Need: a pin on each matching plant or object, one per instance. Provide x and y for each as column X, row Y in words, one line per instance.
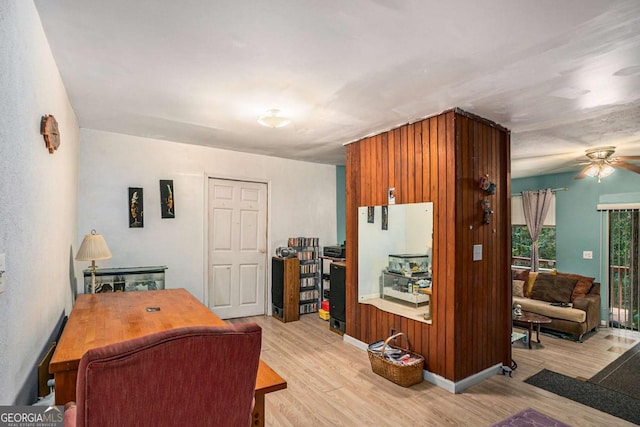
column 237, row 247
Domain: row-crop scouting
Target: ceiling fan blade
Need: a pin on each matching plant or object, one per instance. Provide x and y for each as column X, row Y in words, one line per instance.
column 627, row 158
column 582, row 173
column 627, row 166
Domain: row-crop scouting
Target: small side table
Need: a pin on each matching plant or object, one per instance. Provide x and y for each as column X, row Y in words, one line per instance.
column 428, row 291
column 529, row 320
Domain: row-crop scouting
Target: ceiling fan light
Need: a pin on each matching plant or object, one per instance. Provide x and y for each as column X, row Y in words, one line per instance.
column 273, row 119
column 592, row 170
column 605, row 171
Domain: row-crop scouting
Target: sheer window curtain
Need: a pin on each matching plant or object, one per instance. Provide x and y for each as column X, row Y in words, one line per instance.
column 535, row 205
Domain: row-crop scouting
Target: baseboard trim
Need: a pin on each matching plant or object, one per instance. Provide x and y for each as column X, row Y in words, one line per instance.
column 437, row 380
column 355, row 342
column 462, row 385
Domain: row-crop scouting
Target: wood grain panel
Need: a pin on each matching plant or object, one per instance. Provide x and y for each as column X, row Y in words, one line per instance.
column 380, row 191
column 436, row 342
column 426, row 165
column 418, row 161
column 411, row 165
column 484, row 284
column 444, row 295
column 397, row 160
column 352, row 178
column 385, row 168
column 440, row 159
column 391, row 160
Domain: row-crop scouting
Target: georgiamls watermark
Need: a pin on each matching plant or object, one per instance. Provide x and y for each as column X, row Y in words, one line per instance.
column 31, row 416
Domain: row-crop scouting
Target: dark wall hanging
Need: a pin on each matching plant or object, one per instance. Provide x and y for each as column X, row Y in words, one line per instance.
column 136, row 210
column 486, row 211
column 370, row 214
column 385, row 217
column 167, row 199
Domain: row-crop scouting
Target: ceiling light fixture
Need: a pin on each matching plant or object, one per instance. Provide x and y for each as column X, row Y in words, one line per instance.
column 273, row 119
column 600, row 170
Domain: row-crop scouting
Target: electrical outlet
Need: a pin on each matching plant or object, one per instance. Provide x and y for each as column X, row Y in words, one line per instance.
column 587, row 254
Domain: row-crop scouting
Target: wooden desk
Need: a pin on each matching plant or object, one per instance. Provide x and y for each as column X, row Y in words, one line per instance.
column 100, row 319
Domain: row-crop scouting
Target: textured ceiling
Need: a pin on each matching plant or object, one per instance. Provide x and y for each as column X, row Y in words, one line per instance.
column 563, row 76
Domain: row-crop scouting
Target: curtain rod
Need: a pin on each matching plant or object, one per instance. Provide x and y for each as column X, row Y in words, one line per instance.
column 553, row 190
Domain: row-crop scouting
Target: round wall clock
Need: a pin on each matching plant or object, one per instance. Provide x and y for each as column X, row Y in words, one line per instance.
column 49, row 129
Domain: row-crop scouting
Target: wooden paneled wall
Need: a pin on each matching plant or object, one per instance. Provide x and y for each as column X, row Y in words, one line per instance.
column 440, row 160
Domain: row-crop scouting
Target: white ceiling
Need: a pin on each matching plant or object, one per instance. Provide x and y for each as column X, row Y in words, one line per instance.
column 562, row 75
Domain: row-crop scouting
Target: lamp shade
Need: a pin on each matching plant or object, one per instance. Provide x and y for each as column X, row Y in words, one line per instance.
column 93, row 247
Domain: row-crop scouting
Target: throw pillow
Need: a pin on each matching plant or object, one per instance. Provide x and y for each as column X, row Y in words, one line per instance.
column 518, row 288
column 553, row 288
column 583, row 286
column 519, row 274
column 530, row 281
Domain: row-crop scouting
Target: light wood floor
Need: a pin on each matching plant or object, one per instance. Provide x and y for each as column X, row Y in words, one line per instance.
column 330, row 382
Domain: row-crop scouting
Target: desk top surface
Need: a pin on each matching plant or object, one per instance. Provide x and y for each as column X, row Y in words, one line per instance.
column 101, row 319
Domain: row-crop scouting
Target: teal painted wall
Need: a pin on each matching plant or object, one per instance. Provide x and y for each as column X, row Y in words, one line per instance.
column 341, row 197
column 579, row 225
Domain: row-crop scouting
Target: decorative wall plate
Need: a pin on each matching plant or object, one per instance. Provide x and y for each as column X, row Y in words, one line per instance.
column 49, row 129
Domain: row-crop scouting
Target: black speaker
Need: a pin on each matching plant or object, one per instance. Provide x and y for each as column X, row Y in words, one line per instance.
column 277, row 285
column 337, row 296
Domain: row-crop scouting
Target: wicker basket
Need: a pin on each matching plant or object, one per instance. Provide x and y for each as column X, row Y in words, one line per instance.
column 404, row 375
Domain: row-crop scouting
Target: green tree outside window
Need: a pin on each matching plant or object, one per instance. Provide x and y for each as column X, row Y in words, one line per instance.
column 521, row 246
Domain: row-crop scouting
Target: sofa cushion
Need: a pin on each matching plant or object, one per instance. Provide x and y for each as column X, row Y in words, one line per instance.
column 546, row 309
column 553, row 288
column 583, row 284
column 518, row 288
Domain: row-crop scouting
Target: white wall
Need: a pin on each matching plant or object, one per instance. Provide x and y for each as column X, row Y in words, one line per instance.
column 38, row 199
column 410, row 231
column 302, row 200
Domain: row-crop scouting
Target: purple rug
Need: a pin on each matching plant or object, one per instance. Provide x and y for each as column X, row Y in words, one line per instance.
column 530, row 418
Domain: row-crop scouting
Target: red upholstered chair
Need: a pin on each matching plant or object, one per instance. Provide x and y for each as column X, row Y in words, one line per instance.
column 192, row 376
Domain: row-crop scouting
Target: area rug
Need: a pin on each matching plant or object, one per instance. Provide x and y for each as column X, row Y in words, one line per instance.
column 530, row 418
column 601, row 398
column 623, row 374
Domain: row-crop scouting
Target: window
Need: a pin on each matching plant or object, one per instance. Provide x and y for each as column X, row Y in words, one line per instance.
column 521, row 241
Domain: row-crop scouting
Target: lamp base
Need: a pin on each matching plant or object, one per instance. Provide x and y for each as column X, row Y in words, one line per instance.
column 93, row 277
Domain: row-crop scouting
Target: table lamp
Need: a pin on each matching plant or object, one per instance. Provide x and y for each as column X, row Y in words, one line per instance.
column 93, row 247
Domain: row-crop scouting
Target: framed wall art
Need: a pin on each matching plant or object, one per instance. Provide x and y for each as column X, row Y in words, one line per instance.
column 370, row 214
column 136, row 208
column 167, row 199
column 385, row 217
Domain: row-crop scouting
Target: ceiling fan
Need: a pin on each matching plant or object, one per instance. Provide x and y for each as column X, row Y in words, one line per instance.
column 601, row 164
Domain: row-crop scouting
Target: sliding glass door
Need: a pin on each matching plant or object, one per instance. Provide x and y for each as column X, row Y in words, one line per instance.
column 624, row 257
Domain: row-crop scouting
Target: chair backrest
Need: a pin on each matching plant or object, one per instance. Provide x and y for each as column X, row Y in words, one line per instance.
column 193, row 376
